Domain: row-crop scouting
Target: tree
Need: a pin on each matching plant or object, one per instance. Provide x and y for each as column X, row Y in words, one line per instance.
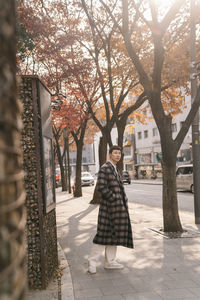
column 25, row 43
column 12, row 195
column 78, row 136
column 159, row 26
column 64, row 68
column 118, row 78
column 65, row 117
column 72, row 68
column 115, row 75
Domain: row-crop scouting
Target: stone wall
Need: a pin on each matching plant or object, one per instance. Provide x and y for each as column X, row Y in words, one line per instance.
column 41, row 226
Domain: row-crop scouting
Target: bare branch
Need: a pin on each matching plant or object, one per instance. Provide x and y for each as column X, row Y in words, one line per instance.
column 171, row 14
column 153, row 12
column 184, row 129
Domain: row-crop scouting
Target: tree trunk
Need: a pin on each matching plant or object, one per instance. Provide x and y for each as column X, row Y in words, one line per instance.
column 102, row 159
column 12, row 195
column 60, row 161
column 79, row 149
column 120, row 129
column 171, row 220
column 102, row 150
column 62, row 170
column 78, row 187
column 63, row 176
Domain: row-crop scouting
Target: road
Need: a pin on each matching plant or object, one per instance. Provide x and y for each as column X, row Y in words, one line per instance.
column 151, row 194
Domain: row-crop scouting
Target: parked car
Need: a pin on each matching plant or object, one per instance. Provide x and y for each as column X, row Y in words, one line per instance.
column 86, row 179
column 126, row 177
column 58, row 177
column 184, row 178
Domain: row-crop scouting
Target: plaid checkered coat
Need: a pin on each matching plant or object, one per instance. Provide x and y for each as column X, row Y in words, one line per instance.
column 114, row 226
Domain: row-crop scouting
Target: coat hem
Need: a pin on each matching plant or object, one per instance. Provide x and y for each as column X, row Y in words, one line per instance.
column 113, row 244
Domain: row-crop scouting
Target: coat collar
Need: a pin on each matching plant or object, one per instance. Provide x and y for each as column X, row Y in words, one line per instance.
column 114, row 166
column 115, row 171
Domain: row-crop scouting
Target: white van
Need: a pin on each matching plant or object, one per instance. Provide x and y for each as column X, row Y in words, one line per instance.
column 184, row 178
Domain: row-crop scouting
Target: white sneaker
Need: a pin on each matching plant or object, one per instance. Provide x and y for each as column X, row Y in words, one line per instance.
column 92, row 269
column 113, row 265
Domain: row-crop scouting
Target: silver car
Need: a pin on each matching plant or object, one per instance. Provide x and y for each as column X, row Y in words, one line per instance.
column 87, row 179
column 184, row 178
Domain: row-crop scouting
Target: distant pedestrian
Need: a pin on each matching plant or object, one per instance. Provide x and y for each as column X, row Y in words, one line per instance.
column 136, row 173
column 114, row 226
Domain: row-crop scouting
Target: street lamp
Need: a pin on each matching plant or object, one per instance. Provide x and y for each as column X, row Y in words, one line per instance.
column 195, row 123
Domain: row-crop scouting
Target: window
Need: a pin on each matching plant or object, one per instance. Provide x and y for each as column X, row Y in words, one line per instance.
column 139, row 135
column 188, row 170
column 184, row 170
column 127, row 151
column 146, row 134
column 174, row 127
column 144, row 158
column 155, row 131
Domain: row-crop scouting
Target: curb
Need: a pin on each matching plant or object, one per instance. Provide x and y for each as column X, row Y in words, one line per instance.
column 67, row 290
column 148, row 182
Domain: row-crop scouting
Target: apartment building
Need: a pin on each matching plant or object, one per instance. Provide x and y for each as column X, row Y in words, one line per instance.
column 147, row 144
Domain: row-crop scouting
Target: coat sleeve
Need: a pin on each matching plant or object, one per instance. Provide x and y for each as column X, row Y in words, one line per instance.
column 102, row 185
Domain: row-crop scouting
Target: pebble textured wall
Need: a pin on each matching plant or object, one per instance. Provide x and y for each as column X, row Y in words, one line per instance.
column 41, row 228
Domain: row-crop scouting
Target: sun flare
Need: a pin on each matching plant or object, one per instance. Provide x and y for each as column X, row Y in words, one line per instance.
column 164, row 2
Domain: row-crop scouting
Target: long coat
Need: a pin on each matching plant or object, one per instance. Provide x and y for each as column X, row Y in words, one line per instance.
column 114, row 226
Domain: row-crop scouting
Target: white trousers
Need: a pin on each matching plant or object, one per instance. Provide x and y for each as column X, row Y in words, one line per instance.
column 96, row 252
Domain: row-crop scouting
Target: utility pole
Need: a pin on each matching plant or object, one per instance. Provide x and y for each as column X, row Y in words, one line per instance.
column 195, row 123
column 68, row 162
column 65, row 158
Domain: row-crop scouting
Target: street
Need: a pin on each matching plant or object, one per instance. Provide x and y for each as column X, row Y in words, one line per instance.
column 151, row 194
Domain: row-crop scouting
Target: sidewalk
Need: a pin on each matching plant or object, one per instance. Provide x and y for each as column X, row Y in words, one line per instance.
column 60, row 287
column 158, row 267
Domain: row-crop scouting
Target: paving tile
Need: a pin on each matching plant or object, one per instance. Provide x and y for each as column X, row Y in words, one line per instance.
column 103, row 283
column 124, row 289
column 175, row 294
column 109, row 291
column 121, row 281
column 142, row 296
column 87, row 293
column 191, row 298
column 110, row 297
column 142, row 286
column 180, row 284
column 195, row 291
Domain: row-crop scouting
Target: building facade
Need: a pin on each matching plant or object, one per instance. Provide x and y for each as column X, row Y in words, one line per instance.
column 148, row 149
column 88, row 159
